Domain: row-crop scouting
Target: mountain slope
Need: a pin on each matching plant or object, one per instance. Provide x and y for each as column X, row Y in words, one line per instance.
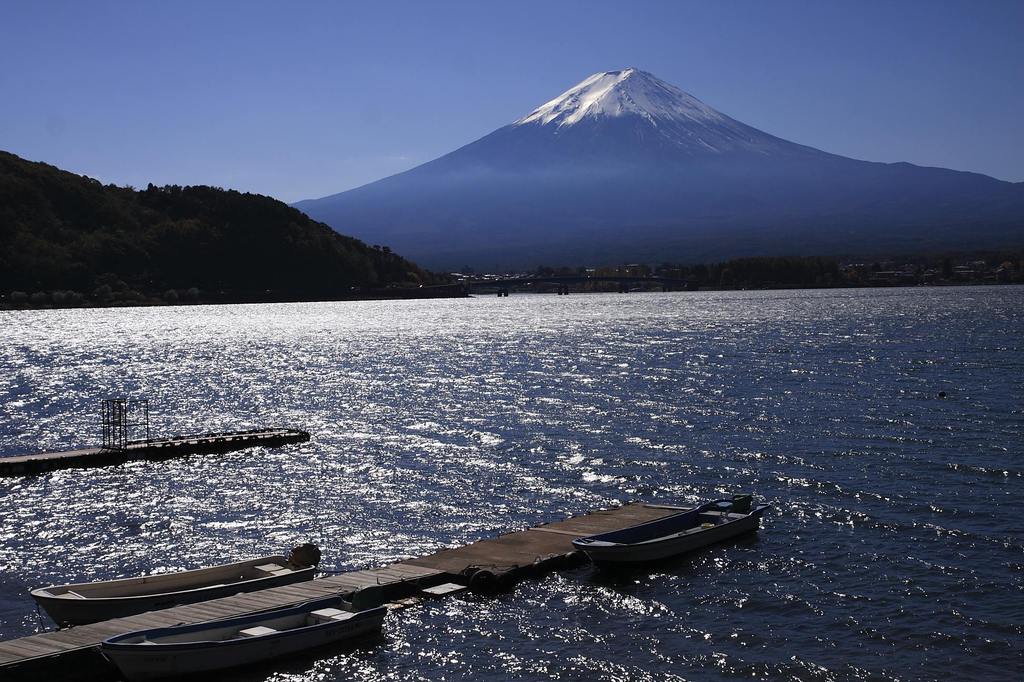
column 624, row 166
column 61, row 231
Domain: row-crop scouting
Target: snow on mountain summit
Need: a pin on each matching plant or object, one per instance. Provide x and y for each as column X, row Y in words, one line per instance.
column 622, row 93
column 617, row 101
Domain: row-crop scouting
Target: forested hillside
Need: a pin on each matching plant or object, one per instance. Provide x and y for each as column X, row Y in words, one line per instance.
column 68, row 239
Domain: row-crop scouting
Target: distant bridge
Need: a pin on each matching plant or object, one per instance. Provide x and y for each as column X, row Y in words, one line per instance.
column 562, row 282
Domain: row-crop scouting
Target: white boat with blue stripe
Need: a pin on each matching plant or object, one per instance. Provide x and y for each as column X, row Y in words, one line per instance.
column 233, row 642
column 675, row 534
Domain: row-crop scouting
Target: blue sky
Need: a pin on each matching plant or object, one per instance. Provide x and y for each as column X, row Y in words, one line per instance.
column 300, row 100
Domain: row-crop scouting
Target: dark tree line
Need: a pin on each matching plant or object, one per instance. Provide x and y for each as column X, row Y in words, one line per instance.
column 791, row 271
column 764, row 272
column 65, row 233
column 739, row 272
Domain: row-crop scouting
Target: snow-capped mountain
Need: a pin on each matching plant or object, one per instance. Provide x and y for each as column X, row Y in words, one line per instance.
column 626, row 167
column 656, row 108
column 623, row 93
column 629, row 115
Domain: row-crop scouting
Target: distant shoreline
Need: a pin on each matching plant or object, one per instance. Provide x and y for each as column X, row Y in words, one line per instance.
column 384, row 294
column 454, row 291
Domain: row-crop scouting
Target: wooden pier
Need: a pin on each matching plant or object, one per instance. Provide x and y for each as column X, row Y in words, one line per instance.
column 492, row 564
column 165, row 448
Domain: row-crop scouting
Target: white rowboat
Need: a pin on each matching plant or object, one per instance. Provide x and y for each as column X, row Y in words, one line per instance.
column 675, row 534
column 218, row 645
column 82, row 603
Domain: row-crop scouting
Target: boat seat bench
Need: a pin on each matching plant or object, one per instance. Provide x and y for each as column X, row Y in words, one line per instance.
column 443, row 590
column 324, row 615
column 257, row 631
column 273, row 569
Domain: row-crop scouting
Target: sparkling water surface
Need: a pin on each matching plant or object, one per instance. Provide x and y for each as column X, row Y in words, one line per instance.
column 894, row 548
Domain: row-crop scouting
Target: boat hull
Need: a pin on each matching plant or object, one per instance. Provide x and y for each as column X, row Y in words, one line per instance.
column 610, row 553
column 67, row 612
column 159, row 661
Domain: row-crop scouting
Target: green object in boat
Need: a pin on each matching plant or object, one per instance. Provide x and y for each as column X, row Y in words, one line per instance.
column 741, row 504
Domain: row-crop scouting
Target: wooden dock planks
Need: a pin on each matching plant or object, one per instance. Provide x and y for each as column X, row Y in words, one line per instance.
column 39, row 656
column 31, row 656
column 540, row 543
column 25, row 465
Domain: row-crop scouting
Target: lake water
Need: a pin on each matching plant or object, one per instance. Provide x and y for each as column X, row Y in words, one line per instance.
column 894, row 548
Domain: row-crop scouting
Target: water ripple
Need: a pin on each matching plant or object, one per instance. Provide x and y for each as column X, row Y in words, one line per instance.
column 892, row 552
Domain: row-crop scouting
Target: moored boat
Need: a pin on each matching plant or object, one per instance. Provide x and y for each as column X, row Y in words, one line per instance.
column 82, row 603
column 233, row 642
column 674, row 534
